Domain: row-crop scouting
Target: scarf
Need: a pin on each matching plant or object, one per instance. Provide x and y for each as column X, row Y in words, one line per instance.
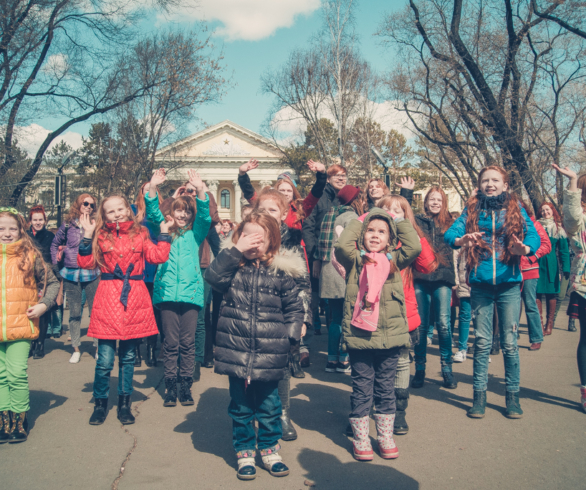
column 552, row 228
column 491, row 203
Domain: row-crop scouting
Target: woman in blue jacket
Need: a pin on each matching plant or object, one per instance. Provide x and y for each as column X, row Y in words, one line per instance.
column 497, row 231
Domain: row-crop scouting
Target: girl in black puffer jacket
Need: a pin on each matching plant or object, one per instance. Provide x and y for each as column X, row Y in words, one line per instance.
column 260, row 316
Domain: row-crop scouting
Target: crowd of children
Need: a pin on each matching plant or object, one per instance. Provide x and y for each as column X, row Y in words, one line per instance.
column 389, row 276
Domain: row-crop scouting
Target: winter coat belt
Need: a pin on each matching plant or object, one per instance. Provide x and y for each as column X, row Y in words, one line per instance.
column 119, row 275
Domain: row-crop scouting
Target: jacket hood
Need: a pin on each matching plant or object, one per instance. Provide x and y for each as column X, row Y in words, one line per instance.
column 378, row 213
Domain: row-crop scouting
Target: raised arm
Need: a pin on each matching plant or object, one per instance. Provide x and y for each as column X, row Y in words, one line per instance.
column 321, row 179
column 410, row 244
column 244, row 180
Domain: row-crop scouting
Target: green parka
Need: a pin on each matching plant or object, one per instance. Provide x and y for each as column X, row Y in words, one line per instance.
column 179, row 279
column 392, row 330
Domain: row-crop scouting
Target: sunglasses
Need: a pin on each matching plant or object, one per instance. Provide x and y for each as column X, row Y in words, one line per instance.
column 190, row 191
column 91, row 205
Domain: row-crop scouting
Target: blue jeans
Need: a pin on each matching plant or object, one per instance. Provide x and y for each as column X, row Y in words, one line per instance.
column 259, row 400
column 464, row 319
column 533, row 317
column 440, row 293
column 508, row 305
column 105, row 364
column 335, row 331
column 200, row 329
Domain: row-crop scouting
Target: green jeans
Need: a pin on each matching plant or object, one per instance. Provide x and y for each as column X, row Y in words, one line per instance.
column 14, row 392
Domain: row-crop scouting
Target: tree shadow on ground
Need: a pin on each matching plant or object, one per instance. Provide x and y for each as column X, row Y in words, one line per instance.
column 325, row 412
column 41, row 402
column 327, row 471
column 210, row 426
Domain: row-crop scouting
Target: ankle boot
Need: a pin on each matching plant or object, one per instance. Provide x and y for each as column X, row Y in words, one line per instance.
column 289, row 432
column 185, row 397
column 571, row 324
column 401, row 426
column 124, row 413
column 449, row 381
column 418, row 379
column 361, row 442
column 296, row 370
column 137, row 357
column 384, row 430
column 33, row 346
column 477, row 410
column 100, row 411
column 5, row 428
column 550, row 316
column 513, row 410
column 39, row 350
column 170, row 392
column 196, row 371
column 151, row 360
column 19, row 428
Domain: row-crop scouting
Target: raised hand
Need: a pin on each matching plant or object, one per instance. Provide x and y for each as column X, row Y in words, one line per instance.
column 195, row 179
column 316, row 167
column 179, row 192
column 36, row 311
column 249, row 242
column 168, row 223
column 407, row 183
column 516, row 247
column 565, row 171
column 248, row 166
column 88, row 225
column 159, row 176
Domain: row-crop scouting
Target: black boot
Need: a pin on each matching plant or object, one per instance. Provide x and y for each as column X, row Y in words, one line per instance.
column 418, row 379
column 4, row 426
column 477, row 410
column 572, row 325
column 295, row 365
column 401, row 427
column 124, row 413
column 31, row 351
column 513, row 406
column 19, row 428
column 170, row 392
column 289, row 432
column 185, row 397
column 196, row 371
column 151, row 360
column 100, row 411
column 449, row 381
column 39, row 350
column 137, row 356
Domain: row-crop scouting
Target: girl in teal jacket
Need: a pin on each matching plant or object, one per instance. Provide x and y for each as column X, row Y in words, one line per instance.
column 178, row 287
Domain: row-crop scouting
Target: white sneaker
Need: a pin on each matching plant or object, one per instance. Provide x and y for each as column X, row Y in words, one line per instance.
column 96, row 355
column 75, row 357
column 489, row 359
column 460, row 356
column 428, row 341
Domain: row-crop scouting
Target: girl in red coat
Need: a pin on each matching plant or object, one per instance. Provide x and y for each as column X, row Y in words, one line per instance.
column 122, row 306
column 425, row 263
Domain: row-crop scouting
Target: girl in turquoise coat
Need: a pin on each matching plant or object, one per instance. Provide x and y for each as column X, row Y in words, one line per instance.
column 549, row 266
column 178, row 287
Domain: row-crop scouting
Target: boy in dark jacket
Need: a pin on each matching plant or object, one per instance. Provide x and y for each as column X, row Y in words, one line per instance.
column 260, row 315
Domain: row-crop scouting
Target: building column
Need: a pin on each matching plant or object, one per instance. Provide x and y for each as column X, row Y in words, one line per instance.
column 213, row 187
column 237, row 197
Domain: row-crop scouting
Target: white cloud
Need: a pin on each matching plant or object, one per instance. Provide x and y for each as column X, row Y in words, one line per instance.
column 249, row 20
column 31, row 137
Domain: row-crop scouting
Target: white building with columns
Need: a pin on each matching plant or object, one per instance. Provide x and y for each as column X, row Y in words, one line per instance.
column 216, row 153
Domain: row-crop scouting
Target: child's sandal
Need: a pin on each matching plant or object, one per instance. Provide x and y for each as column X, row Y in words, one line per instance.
column 246, row 468
column 273, row 462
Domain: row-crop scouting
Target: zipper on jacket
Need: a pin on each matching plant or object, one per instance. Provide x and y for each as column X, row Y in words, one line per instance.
column 493, row 252
column 253, row 321
column 4, row 292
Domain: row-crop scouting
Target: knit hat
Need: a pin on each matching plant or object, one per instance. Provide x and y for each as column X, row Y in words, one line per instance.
column 287, row 175
column 347, row 194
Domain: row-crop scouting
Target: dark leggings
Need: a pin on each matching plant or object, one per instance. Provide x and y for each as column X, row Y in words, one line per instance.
column 582, row 347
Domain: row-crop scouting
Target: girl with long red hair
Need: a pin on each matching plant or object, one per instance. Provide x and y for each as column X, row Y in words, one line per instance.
column 548, row 285
column 496, row 231
column 435, row 288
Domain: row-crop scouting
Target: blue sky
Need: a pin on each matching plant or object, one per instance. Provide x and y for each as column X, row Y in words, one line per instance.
column 256, row 35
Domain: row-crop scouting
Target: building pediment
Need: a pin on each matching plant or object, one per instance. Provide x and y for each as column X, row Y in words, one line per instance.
column 225, row 140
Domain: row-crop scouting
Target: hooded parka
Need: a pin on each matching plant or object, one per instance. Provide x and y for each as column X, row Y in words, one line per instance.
column 392, row 330
column 260, row 315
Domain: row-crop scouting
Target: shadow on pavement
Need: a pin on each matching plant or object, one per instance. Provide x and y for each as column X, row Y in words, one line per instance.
column 41, row 402
column 210, row 426
column 325, row 412
column 327, row 471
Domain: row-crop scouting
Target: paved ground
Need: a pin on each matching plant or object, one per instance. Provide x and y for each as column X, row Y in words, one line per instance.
column 190, row 447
